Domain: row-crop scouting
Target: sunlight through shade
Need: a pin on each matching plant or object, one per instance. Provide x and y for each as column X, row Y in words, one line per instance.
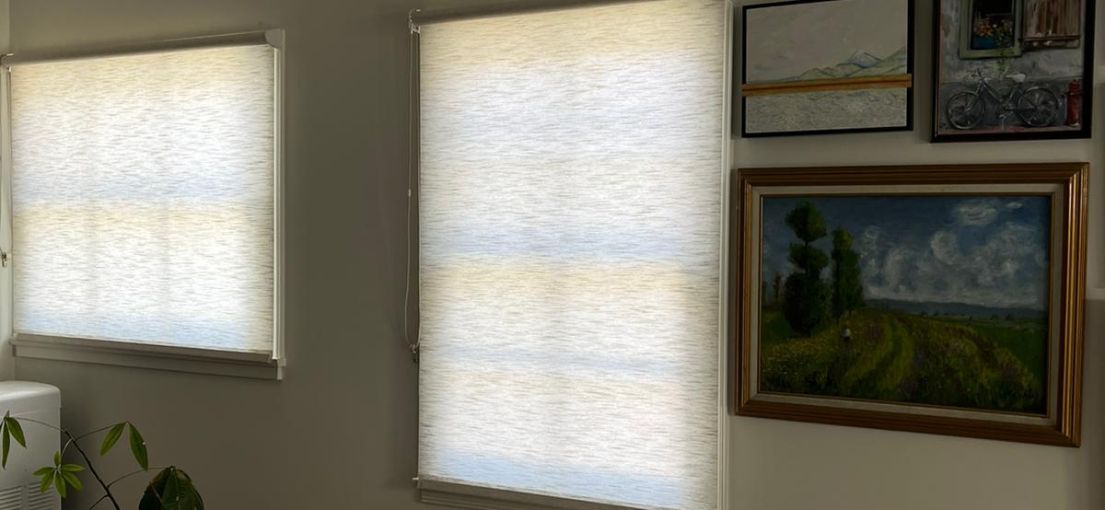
column 143, row 198
column 570, row 224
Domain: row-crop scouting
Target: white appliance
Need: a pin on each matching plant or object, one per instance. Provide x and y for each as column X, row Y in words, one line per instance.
column 18, row 486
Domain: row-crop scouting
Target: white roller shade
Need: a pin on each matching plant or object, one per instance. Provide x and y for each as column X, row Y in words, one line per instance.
column 143, row 197
column 570, row 223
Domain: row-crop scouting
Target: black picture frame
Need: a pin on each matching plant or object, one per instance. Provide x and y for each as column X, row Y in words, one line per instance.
column 910, row 63
column 938, row 105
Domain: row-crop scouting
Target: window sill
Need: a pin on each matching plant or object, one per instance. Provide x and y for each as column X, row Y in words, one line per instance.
column 251, row 365
column 459, row 495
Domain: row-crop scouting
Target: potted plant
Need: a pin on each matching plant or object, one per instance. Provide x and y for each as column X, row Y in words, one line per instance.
column 170, row 489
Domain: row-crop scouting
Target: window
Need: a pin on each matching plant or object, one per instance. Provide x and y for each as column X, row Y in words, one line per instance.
column 143, row 202
column 571, row 176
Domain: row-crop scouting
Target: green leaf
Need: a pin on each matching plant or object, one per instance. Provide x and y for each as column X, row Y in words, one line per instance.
column 72, row 480
column 171, row 489
column 72, row 468
column 170, row 494
column 44, row 471
column 190, row 496
column 138, row 448
column 59, row 484
column 7, row 440
column 57, row 458
column 151, row 497
column 16, row 431
column 47, row 479
column 112, row 437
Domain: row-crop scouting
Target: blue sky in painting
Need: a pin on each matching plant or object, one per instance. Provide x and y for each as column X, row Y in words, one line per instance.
column 988, row 251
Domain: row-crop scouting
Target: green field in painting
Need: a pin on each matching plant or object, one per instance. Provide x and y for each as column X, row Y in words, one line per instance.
column 991, row 364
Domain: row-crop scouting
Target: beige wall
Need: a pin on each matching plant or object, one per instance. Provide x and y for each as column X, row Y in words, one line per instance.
column 340, row 431
column 777, row 465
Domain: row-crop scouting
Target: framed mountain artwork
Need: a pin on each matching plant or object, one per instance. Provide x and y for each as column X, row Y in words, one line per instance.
column 827, row 66
column 1012, row 69
column 940, row 299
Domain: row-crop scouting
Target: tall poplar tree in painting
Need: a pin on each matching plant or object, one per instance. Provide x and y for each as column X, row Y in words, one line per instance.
column 777, row 287
column 804, row 302
column 847, row 288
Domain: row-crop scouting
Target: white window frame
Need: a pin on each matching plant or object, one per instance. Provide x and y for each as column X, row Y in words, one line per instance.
column 482, row 498
column 159, row 357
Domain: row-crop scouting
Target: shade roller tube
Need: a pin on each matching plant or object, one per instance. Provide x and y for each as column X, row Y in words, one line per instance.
column 272, row 38
column 421, row 17
column 570, row 226
column 143, row 197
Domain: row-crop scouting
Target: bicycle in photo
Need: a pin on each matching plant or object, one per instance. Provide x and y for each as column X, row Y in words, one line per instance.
column 1035, row 107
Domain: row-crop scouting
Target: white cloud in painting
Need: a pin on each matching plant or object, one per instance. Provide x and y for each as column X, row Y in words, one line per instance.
column 990, row 273
column 977, row 213
column 945, row 247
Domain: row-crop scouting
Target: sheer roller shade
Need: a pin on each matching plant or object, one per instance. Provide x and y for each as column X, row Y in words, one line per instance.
column 571, row 170
column 143, row 197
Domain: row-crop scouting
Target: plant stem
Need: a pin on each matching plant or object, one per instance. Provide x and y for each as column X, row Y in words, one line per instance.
column 92, row 469
column 132, row 473
column 74, row 441
column 44, row 424
column 98, row 501
column 94, row 432
column 78, row 438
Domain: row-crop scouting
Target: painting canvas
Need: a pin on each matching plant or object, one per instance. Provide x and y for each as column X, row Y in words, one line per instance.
column 1013, row 69
column 932, row 300
column 827, row 66
column 948, row 295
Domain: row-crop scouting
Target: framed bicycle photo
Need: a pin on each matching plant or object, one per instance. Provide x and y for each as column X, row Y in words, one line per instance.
column 827, row 66
column 941, row 299
column 1012, row 69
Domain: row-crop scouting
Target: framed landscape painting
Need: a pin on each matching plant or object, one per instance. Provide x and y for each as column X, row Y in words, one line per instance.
column 827, row 66
column 941, row 299
column 1012, row 69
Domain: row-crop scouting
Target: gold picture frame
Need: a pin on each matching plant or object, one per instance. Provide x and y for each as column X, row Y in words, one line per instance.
column 997, row 355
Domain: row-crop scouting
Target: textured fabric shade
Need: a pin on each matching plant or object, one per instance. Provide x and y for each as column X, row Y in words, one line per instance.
column 143, row 197
column 571, row 172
